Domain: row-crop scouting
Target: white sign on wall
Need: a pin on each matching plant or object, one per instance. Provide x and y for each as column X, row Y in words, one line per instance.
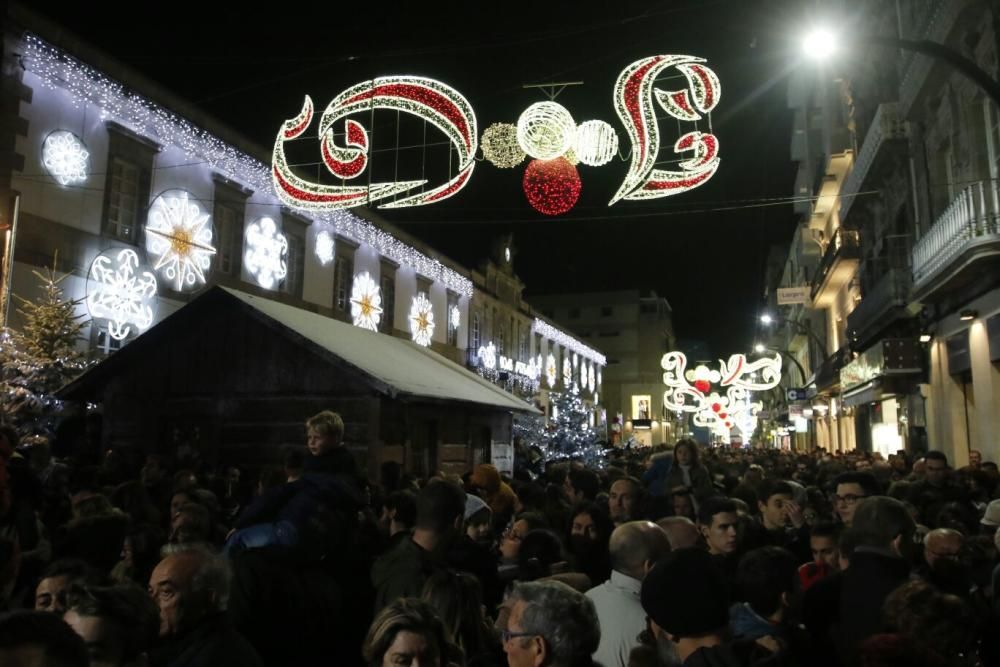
column 789, row 296
column 502, row 456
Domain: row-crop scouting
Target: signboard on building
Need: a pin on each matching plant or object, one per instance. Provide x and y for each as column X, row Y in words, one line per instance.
column 502, row 456
column 790, row 296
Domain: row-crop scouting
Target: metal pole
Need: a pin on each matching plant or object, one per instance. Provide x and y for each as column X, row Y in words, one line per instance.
column 8, row 258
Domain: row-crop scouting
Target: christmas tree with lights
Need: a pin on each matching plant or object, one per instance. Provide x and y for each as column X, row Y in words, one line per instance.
column 40, row 357
column 570, row 432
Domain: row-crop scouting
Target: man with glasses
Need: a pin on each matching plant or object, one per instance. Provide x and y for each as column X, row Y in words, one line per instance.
column 851, row 489
column 550, row 625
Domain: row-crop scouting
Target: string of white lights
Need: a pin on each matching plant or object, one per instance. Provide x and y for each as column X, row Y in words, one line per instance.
column 57, row 70
column 548, row 331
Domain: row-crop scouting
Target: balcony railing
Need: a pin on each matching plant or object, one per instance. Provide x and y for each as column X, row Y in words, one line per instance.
column 869, row 316
column 969, row 221
column 887, row 125
column 916, row 68
column 845, row 245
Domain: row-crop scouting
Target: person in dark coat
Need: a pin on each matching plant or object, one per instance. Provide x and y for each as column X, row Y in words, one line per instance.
column 844, row 609
column 687, row 473
column 190, row 587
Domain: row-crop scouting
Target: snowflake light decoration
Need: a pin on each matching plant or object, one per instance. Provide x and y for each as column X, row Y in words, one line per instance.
column 488, row 355
column 179, row 236
column 567, row 372
column 545, row 130
column 591, row 380
column 65, row 157
column 551, row 371
column 366, row 302
column 119, row 292
column 422, row 320
column 266, row 253
column 324, row 247
column 500, row 147
column 454, row 317
column 596, row 143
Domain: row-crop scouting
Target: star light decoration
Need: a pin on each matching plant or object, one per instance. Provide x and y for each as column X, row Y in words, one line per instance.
column 500, row 147
column 689, row 390
column 179, row 235
column 545, row 130
column 120, row 292
column 65, row 157
column 421, row 320
column 324, row 247
column 84, row 85
column 366, row 302
column 266, row 253
column 551, row 371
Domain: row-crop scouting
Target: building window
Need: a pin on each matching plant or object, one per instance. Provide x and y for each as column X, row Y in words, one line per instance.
column 106, row 344
column 574, row 313
column 477, row 335
column 341, row 283
column 123, row 200
column 523, row 354
column 295, row 264
column 229, row 237
column 452, row 330
column 500, row 337
column 387, row 282
column 607, row 311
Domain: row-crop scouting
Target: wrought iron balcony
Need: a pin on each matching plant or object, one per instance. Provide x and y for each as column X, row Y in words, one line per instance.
column 839, row 263
column 887, row 126
column 880, row 307
column 964, row 234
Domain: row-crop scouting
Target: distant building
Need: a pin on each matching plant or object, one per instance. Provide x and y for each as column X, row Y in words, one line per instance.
column 634, row 331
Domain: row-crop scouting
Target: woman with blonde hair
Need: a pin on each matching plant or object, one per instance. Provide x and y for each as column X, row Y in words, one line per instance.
column 407, row 632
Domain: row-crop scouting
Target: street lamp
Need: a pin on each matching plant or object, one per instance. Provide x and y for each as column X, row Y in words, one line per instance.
column 760, row 348
column 821, row 43
column 766, row 319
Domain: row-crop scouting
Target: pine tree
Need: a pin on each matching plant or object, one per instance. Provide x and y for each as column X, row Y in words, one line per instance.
column 569, row 433
column 41, row 357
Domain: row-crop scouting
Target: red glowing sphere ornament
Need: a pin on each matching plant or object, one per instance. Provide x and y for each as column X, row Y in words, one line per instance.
column 551, row 186
column 702, row 385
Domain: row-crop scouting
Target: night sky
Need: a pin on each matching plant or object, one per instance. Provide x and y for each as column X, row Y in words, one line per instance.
column 703, row 250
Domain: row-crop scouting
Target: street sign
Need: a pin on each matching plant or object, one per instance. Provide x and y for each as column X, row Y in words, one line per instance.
column 797, row 394
column 789, row 296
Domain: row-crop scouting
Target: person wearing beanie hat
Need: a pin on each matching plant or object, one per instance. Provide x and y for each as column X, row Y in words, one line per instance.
column 478, row 520
column 486, row 483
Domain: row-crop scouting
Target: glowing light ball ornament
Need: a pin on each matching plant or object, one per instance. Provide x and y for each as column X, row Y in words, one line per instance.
column 551, row 186
column 545, row 130
column 179, row 235
column 596, row 143
column 421, row 320
column 65, row 157
column 324, row 247
column 366, row 302
column 500, row 147
column 119, row 292
column 266, row 253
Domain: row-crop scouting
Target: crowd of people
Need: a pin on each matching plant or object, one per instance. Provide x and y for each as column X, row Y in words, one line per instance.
column 685, row 555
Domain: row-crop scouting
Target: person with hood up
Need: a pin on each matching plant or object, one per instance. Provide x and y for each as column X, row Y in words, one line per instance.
column 486, row 483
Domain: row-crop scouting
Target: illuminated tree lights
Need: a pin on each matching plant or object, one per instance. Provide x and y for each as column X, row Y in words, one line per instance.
column 545, row 130
column 65, row 157
column 596, row 143
column 500, row 147
column 266, row 253
column 117, row 291
column 324, row 247
column 366, row 302
column 551, row 186
column 179, row 235
column 546, row 330
column 421, row 320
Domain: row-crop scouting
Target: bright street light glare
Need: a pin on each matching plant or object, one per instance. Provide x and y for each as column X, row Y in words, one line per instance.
column 819, row 44
column 766, row 319
column 759, row 348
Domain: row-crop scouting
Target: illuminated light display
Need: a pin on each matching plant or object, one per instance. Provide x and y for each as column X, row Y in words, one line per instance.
column 567, row 372
column 551, row 371
column 591, row 379
column 83, row 85
column 421, row 320
column 120, row 292
column 324, row 247
column 546, row 330
column 179, row 235
column 634, row 103
column 65, row 157
column 596, row 143
column 688, row 389
column 500, row 147
column 366, row 302
column 454, row 317
column 551, row 186
column 545, row 130
column 488, row 356
column 266, row 255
